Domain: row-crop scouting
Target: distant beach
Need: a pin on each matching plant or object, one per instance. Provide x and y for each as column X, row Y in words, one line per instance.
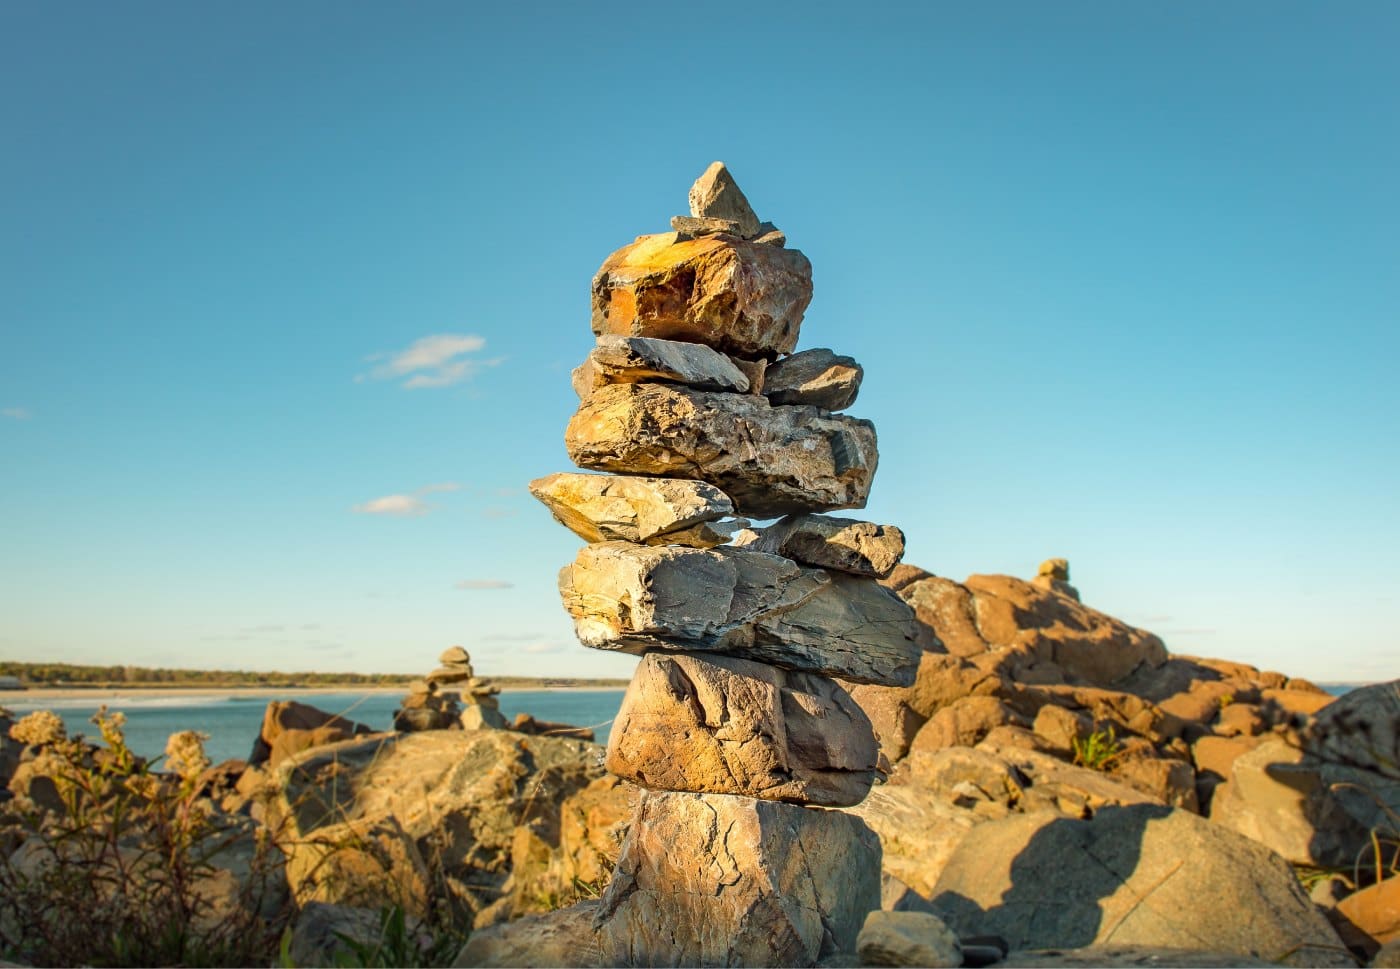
column 106, row 694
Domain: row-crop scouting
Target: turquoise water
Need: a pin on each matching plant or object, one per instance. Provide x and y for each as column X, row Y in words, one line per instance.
column 232, row 723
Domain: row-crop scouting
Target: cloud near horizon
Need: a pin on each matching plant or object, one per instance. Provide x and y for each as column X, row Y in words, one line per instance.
column 410, row 505
column 16, row 413
column 483, row 584
column 439, row 360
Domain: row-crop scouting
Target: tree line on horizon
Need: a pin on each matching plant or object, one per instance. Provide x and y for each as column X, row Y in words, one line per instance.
column 72, row 674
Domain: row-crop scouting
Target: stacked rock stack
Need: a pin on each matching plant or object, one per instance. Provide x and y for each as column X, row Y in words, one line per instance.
column 734, row 725
column 426, row 708
column 1053, row 575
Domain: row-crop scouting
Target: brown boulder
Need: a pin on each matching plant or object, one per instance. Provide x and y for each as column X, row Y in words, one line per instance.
column 290, row 727
column 708, row 879
column 1370, row 918
column 735, row 296
column 769, row 460
column 964, row 723
column 716, row 196
column 721, row 725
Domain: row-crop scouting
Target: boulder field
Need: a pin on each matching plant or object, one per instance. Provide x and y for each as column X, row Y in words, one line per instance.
column 825, row 757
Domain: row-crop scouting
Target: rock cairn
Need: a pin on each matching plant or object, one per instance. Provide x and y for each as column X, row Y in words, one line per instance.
column 427, row 708
column 1053, row 575
column 734, row 724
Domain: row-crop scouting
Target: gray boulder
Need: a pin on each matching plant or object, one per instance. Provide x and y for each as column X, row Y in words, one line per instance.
column 732, row 601
column 907, row 939
column 1140, row 875
column 770, row 460
column 817, row 377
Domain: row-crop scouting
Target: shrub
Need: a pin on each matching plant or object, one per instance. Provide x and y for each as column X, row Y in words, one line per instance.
column 136, row 868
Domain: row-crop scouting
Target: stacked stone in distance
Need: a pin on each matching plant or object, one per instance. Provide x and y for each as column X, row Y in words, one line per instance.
column 695, row 402
column 425, row 708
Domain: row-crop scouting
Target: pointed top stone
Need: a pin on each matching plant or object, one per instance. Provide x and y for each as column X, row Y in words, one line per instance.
column 715, row 195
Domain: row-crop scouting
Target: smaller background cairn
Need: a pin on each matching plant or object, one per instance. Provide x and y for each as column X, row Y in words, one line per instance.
column 1053, row 575
column 428, row 708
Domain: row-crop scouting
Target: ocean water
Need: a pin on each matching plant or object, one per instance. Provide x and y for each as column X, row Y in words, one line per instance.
column 232, row 722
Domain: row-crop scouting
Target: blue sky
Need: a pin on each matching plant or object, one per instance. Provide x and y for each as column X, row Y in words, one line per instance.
column 289, row 294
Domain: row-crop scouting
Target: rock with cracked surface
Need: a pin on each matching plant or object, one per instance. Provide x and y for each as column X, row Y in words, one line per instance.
column 818, row 377
column 720, row 725
column 602, row 508
column 690, row 227
column 638, row 359
column 635, row 598
column 770, row 460
column 1140, row 875
column 715, row 880
column 738, row 297
column 827, row 542
column 715, row 195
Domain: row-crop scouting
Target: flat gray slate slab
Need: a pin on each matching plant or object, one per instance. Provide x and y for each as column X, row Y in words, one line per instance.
column 635, row 598
column 638, row 359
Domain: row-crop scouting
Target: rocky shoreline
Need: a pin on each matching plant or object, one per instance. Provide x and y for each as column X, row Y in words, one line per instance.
column 826, row 756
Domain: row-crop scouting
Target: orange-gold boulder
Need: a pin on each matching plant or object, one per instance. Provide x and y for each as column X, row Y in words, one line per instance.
column 739, row 297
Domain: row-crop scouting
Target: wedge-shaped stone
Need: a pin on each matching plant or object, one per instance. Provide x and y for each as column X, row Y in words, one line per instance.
column 639, row 359
column 770, row 460
column 716, row 880
column 715, row 195
column 722, row 725
column 843, row 544
column 704, row 535
column 635, row 598
column 817, row 377
column 601, row 508
column 735, row 296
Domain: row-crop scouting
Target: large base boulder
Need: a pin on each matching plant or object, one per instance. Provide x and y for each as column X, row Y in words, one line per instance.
column 714, row 880
column 1140, row 875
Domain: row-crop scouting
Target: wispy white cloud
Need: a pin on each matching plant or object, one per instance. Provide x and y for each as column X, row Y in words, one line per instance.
column 440, row 360
column 483, row 584
column 548, row 646
column 410, row 505
column 16, row 413
column 394, row 506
